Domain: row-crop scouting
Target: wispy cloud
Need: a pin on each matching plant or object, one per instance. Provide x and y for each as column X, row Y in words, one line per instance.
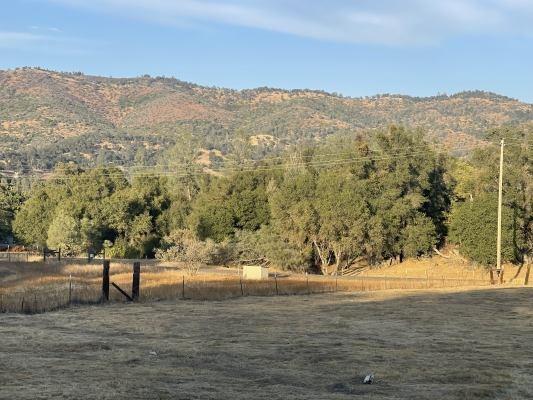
column 45, row 29
column 51, row 42
column 390, row 22
column 20, row 39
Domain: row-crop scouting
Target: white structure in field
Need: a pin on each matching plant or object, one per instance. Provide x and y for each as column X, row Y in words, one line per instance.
column 254, row 272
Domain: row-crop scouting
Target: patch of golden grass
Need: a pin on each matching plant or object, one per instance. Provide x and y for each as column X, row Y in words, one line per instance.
column 441, row 268
column 37, row 287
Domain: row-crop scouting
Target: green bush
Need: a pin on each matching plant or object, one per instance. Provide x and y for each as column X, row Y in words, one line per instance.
column 473, row 227
column 121, row 249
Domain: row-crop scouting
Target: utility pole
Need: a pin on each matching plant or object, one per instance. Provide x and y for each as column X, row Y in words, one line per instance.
column 500, row 198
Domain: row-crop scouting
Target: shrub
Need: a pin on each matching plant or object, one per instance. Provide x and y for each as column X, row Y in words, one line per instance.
column 183, row 246
column 121, row 249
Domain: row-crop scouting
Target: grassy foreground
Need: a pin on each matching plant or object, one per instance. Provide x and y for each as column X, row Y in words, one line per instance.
column 438, row 344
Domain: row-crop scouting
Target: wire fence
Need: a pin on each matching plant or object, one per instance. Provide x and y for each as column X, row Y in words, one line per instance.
column 79, row 291
column 12, row 256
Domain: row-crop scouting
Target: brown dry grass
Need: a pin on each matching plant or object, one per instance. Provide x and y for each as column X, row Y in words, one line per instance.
column 39, row 287
column 438, row 344
column 441, row 268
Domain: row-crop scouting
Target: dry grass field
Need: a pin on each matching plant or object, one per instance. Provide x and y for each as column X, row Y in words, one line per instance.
column 33, row 287
column 425, row 344
column 441, row 268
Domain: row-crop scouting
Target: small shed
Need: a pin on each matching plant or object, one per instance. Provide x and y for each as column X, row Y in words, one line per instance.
column 256, row 272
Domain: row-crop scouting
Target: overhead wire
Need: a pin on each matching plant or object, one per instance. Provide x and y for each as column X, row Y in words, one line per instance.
column 156, row 172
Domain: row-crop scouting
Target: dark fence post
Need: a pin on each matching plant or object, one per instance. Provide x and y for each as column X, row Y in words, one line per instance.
column 240, row 281
column 105, row 281
column 183, row 287
column 526, row 280
column 70, row 290
column 276, row 280
column 59, row 254
column 136, row 281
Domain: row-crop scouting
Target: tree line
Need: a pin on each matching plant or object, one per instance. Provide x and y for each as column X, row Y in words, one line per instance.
column 350, row 199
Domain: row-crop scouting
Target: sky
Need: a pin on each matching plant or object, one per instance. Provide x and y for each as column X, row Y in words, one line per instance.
column 353, row 47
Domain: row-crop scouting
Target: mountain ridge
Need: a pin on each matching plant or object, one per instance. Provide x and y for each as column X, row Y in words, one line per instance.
column 477, row 93
column 48, row 116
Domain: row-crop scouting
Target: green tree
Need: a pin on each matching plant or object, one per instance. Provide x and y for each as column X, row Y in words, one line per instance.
column 10, row 201
column 34, row 217
column 473, row 226
column 64, row 232
column 226, row 205
column 517, row 192
column 389, row 201
column 342, row 218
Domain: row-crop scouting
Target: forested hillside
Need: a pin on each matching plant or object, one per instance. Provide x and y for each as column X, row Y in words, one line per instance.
column 48, row 117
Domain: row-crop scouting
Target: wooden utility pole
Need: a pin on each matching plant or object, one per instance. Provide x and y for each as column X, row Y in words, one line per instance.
column 500, row 198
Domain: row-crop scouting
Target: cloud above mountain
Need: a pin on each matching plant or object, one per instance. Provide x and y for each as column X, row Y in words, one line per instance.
column 389, row 22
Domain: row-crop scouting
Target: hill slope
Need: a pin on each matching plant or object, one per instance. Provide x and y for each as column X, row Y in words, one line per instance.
column 47, row 116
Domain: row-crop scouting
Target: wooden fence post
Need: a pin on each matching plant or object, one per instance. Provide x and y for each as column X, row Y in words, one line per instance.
column 70, row 290
column 183, row 287
column 276, row 280
column 136, row 281
column 526, row 280
column 242, row 290
column 105, row 281
column 307, row 278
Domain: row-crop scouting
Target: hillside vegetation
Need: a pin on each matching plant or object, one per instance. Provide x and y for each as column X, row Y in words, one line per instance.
column 322, row 209
column 48, row 117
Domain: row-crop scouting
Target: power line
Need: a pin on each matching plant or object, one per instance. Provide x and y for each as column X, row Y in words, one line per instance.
column 242, row 167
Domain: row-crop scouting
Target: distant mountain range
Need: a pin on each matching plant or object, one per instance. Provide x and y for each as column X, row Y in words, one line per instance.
column 47, row 117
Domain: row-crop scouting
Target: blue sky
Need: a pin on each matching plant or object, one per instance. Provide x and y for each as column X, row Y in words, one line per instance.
column 354, row 47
